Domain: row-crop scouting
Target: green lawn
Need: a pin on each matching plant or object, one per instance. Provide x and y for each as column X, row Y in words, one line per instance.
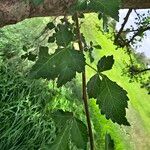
column 134, row 137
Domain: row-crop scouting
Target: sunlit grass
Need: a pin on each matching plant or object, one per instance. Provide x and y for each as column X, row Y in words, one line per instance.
column 139, row 111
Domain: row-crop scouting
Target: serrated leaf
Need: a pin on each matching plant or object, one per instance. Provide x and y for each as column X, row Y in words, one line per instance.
column 93, row 86
column 108, row 7
column 63, row 36
column 62, row 140
column 105, row 63
column 79, row 134
column 77, row 131
column 63, row 65
column 111, row 98
column 60, row 117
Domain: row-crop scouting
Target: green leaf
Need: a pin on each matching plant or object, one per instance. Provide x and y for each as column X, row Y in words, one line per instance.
column 25, row 49
column 100, row 15
column 79, row 134
column 63, row 36
column 31, row 56
column 109, row 143
column 51, row 39
column 63, row 65
column 111, row 98
column 50, row 25
column 61, row 118
column 80, row 5
column 97, row 46
column 62, row 140
column 93, row 86
column 105, row 63
column 108, row 7
column 105, row 23
column 77, row 129
column 37, row 2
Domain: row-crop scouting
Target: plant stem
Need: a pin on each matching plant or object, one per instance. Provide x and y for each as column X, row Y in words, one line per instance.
column 84, row 92
column 91, row 67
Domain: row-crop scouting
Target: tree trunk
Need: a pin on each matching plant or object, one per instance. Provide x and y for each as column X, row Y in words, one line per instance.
column 13, row 11
column 136, row 4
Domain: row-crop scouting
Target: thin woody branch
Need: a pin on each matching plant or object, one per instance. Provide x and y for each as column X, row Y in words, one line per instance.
column 13, row 11
column 141, row 30
column 123, row 25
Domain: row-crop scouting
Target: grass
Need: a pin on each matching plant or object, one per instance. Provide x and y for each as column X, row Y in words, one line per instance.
column 33, row 128
column 138, row 114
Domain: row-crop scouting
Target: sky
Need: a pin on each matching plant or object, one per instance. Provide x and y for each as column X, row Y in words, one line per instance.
column 145, row 44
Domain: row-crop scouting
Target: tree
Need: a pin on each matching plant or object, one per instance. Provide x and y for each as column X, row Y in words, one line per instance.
column 13, row 11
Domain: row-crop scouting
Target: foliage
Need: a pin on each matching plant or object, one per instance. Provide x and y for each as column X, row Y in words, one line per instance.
column 51, row 66
column 111, row 98
column 63, row 64
column 124, row 137
column 109, row 7
column 109, row 143
column 26, row 106
column 69, row 128
column 130, row 38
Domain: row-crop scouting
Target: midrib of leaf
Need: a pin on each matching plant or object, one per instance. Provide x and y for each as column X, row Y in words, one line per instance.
column 49, row 60
column 78, row 128
column 63, row 37
column 63, row 135
column 64, row 70
column 73, row 57
column 110, row 95
column 105, row 8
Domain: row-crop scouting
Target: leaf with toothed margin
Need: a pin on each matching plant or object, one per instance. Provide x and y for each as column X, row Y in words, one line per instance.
column 105, row 63
column 69, row 128
column 93, row 86
column 63, row 65
column 111, row 98
column 108, row 7
column 62, row 140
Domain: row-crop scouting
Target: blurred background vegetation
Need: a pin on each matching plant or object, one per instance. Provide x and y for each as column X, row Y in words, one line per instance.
column 26, row 104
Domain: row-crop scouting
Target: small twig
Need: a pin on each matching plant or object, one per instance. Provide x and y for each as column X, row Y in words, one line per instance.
column 138, row 15
column 123, row 25
column 143, row 70
column 129, row 54
column 137, row 34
